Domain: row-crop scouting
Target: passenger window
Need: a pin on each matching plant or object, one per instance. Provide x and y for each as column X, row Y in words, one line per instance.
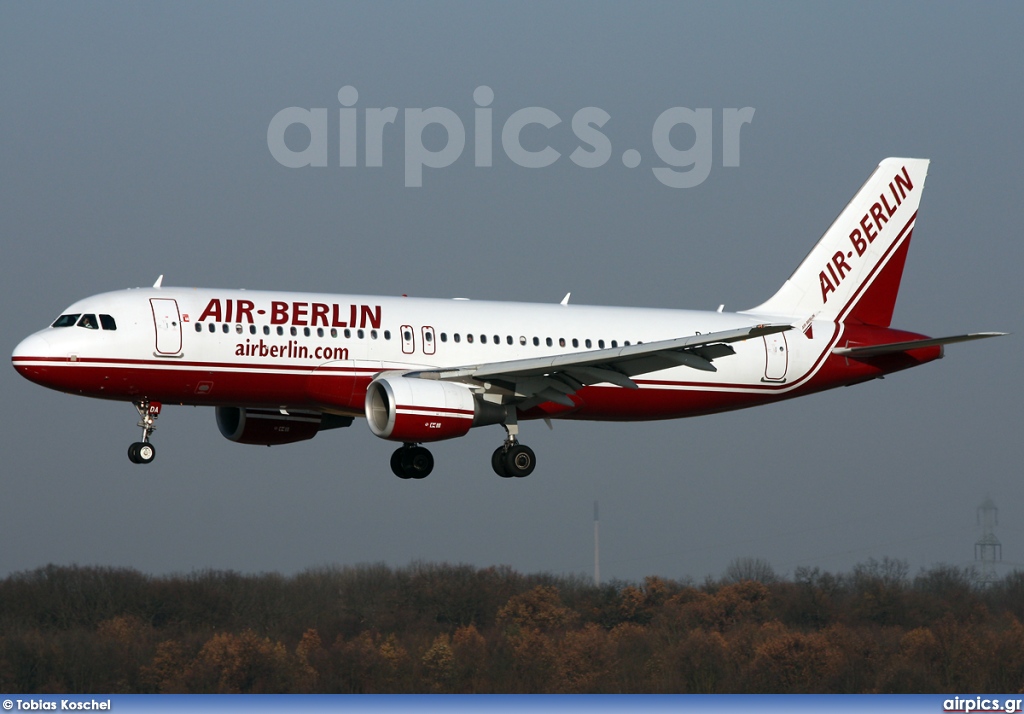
column 522, row 340
column 575, row 342
column 483, row 339
column 252, row 329
column 266, row 329
column 469, row 337
column 373, row 334
column 387, row 334
column 238, row 329
column 66, row 320
column 334, row 332
column 536, row 342
column 600, row 344
column 548, row 342
column 359, row 334
column 457, row 338
column 561, row 342
column 294, row 331
column 444, row 337
column 348, row 334
column 88, row 322
column 280, row 330
column 305, row 331
column 108, row 322
column 614, row 343
column 199, row 327
column 588, row 343
column 212, row 327
column 319, row 332
column 497, row 339
column 509, row 339
column 225, row 327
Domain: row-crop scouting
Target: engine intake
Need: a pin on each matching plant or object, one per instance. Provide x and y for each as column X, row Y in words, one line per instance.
column 415, row 410
column 269, row 427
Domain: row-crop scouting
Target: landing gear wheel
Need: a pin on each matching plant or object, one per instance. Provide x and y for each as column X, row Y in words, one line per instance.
column 417, row 462
column 396, row 463
column 141, row 452
column 412, row 462
column 519, row 461
column 498, row 462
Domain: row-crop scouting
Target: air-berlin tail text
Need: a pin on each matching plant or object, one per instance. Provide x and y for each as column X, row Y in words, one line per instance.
column 864, row 233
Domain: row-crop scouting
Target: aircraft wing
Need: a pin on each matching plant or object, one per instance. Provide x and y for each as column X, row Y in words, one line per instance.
column 553, row 378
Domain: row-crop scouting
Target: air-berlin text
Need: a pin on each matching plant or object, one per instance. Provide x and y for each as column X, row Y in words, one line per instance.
column 302, row 314
column 864, row 233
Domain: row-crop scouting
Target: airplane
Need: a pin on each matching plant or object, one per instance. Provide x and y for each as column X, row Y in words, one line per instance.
column 279, row 367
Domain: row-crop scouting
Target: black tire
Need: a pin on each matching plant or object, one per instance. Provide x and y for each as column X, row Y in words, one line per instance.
column 417, row 462
column 498, row 462
column 143, row 452
column 520, row 461
column 396, row 463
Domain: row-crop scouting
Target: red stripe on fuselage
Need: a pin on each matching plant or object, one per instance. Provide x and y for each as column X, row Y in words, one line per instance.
column 656, row 399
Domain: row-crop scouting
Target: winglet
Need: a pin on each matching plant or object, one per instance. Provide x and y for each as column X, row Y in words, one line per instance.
column 565, row 300
column 159, row 281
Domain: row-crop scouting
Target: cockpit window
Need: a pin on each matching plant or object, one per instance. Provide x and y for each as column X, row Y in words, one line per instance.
column 66, row 320
column 88, row 321
column 107, row 321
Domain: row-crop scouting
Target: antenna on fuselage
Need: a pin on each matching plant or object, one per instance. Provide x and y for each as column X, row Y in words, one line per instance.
column 159, row 281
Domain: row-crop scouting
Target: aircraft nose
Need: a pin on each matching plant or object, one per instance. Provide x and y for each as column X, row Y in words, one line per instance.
column 32, row 346
column 27, row 352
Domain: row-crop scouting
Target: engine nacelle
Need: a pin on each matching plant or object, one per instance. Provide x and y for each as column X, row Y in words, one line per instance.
column 269, row 427
column 415, row 410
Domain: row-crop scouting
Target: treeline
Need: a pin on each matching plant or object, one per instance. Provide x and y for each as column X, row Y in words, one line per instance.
column 457, row 628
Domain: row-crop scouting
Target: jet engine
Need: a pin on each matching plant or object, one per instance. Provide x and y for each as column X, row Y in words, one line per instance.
column 271, row 426
column 415, row 410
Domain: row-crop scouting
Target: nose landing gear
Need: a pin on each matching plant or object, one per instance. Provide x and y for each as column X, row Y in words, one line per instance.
column 143, row 452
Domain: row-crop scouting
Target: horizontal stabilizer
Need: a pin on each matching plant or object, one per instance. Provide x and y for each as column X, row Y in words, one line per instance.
column 875, row 350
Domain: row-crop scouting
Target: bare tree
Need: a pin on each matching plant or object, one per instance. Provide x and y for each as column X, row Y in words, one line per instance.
column 757, row 569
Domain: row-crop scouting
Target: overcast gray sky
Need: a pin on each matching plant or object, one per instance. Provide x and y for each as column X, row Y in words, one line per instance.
column 133, row 142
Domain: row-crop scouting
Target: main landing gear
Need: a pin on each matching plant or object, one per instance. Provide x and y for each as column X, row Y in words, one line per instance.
column 412, row 461
column 512, row 459
column 142, row 452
